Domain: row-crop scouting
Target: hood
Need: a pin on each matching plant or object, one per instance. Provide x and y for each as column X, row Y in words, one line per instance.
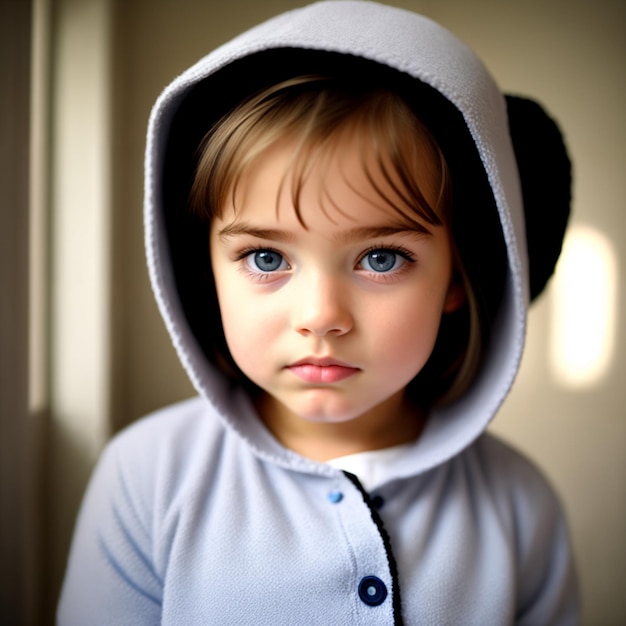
column 354, row 37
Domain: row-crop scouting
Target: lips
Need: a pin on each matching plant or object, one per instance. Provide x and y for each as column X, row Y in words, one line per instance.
column 324, row 370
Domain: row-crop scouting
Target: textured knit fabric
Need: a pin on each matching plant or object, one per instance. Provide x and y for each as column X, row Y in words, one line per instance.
column 197, row 515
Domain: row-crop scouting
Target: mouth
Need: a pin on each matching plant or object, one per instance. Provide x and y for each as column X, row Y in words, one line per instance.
column 325, row 370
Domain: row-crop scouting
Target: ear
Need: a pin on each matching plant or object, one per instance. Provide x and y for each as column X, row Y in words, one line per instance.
column 456, row 295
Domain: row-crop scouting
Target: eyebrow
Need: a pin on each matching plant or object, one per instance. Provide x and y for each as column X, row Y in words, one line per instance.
column 374, row 232
column 244, row 228
column 348, row 236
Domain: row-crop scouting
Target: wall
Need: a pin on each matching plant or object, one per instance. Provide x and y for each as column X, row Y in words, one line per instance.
column 80, row 267
column 569, row 55
column 20, row 423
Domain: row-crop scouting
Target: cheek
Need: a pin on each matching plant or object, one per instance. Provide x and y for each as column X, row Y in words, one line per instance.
column 409, row 336
column 414, row 338
column 248, row 329
column 238, row 323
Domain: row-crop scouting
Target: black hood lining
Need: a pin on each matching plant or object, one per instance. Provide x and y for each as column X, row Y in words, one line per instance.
column 476, row 224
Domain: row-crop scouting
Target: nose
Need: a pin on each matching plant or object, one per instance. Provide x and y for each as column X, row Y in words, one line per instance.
column 322, row 307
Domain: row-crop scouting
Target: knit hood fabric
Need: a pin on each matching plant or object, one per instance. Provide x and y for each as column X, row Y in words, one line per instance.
column 359, row 35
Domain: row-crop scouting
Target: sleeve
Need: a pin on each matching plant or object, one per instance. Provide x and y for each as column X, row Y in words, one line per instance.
column 111, row 576
column 547, row 586
column 547, row 578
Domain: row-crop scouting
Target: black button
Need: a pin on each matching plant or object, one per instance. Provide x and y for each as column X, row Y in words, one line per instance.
column 372, row 590
column 378, row 502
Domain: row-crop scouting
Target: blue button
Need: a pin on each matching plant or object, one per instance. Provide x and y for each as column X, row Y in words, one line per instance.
column 372, row 590
column 335, row 497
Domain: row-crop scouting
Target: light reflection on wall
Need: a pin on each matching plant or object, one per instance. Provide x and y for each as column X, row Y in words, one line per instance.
column 584, row 308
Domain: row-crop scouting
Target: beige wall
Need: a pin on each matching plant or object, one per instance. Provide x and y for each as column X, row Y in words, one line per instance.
column 569, row 54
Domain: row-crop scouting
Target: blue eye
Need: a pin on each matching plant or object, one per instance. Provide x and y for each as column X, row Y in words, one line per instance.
column 266, row 261
column 382, row 260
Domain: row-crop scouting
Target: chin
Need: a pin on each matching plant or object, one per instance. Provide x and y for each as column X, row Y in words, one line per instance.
column 328, row 414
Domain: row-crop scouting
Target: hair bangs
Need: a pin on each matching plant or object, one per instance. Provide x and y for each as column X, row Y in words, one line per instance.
column 313, row 112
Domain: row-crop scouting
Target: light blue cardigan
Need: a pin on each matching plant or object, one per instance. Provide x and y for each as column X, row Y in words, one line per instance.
column 197, row 515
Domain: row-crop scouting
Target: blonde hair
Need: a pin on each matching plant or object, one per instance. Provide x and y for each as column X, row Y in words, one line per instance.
column 314, row 111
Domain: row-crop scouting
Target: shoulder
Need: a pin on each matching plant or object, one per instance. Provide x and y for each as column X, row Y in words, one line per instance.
column 520, row 489
column 175, row 431
column 530, row 509
column 189, row 420
column 165, row 452
column 175, row 420
column 510, row 469
column 517, row 491
column 145, row 477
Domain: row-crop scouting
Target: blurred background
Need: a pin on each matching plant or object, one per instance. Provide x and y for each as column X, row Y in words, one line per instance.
column 83, row 351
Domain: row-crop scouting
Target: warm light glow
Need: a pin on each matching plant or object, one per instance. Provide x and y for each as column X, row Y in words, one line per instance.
column 584, row 308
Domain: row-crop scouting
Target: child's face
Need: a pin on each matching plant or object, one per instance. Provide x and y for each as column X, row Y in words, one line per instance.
column 331, row 321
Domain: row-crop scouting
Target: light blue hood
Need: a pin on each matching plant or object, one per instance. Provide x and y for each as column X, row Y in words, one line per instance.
column 419, row 48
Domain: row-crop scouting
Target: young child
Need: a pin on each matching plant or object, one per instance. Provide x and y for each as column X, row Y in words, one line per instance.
column 339, row 205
